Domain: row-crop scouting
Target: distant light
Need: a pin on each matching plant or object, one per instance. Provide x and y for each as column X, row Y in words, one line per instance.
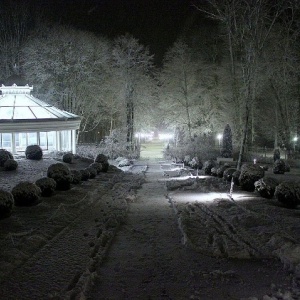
column 144, row 135
column 295, row 139
column 219, row 136
column 165, row 136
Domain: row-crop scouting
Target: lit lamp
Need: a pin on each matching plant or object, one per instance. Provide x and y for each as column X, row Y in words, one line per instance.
column 295, row 139
column 219, row 136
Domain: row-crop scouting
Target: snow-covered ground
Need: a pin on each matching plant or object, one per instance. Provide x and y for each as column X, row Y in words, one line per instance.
column 247, row 228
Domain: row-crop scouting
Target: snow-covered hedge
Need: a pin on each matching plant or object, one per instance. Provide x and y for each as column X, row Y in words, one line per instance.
column 266, row 187
column 279, row 166
column 4, row 156
column 47, row 186
column 68, row 158
column 92, row 171
column 249, row 174
column 6, row 204
column 76, row 176
column 34, row 152
column 85, row 174
column 10, row 165
column 26, row 193
column 288, row 193
column 97, row 166
column 61, row 174
column 208, row 165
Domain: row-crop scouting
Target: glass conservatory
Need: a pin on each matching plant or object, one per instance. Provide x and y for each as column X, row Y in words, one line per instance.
column 26, row 120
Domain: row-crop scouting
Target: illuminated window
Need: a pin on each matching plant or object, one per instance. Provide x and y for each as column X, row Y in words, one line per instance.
column 6, row 140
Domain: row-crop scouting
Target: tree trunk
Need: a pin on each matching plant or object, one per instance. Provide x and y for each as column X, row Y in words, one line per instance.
column 244, row 138
column 129, row 116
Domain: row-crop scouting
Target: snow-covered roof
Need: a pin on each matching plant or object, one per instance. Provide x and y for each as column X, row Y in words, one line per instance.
column 19, row 106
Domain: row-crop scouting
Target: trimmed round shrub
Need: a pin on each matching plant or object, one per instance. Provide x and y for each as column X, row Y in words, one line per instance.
column 228, row 173
column 249, row 174
column 221, row 169
column 266, row 187
column 68, row 158
column 34, row 152
column 213, row 171
column 47, row 186
column 195, row 163
column 287, row 167
column 85, row 174
column 4, row 156
column 101, row 158
column 26, row 194
column 10, row 165
column 288, row 193
column 97, row 166
column 61, row 174
column 208, row 165
column 76, row 176
column 105, row 166
column 92, row 171
column 6, row 204
column 236, row 176
column 279, row 166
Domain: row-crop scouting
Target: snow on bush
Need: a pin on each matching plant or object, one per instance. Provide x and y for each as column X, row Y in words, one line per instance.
column 92, row 172
column 61, row 174
column 85, row 174
column 6, row 204
column 10, row 165
column 236, row 176
column 34, row 152
column 125, row 163
column 97, row 166
column 4, row 156
column 249, row 174
column 101, row 158
column 195, row 163
column 213, row 171
column 105, row 167
column 26, row 193
column 67, row 158
column 288, row 193
column 202, row 147
column 208, row 165
column 266, row 187
column 221, row 169
column 174, row 184
column 279, row 166
column 76, row 176
column 227, row 175
column 47, row 186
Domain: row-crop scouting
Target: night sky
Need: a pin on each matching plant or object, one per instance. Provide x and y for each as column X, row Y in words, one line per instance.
column 156, row 23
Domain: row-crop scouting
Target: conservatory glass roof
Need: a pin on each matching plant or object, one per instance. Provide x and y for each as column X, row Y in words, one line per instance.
column 16, row 103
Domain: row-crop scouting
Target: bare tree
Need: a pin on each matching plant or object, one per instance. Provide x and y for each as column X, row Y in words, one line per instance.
column 71, row 69
column 132, row 64
column 17, row 18
column 248, row 25
column 191, row 91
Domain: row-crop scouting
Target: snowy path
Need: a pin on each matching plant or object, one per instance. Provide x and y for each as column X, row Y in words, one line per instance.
column 148, row 260
column 76, row 238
